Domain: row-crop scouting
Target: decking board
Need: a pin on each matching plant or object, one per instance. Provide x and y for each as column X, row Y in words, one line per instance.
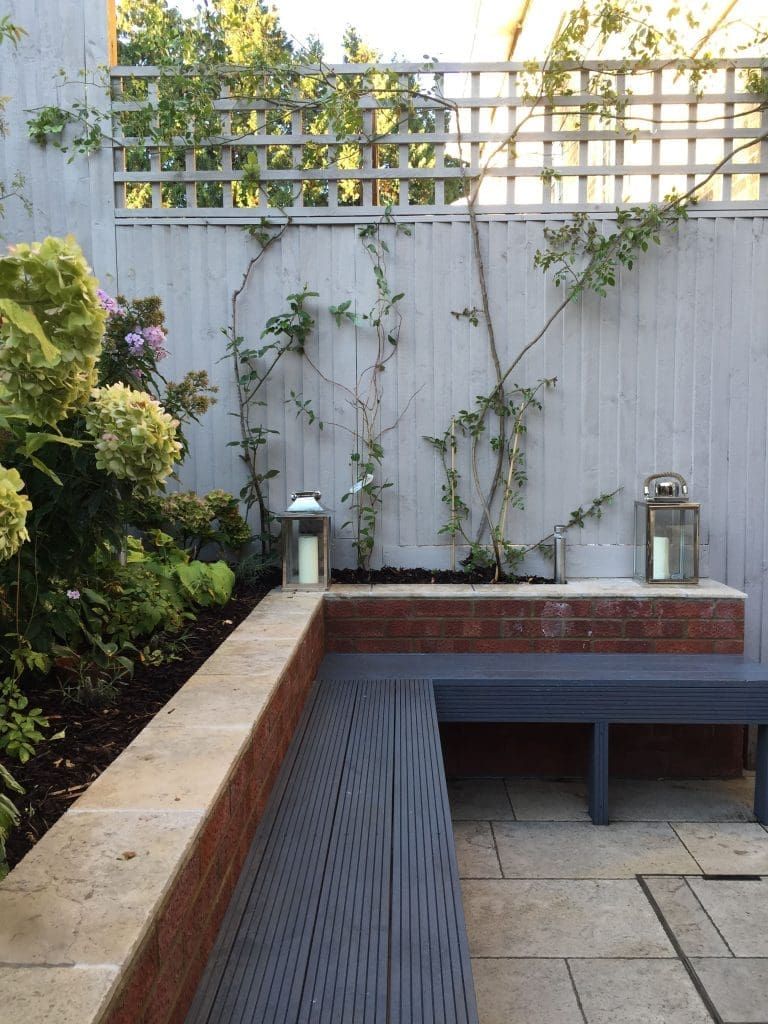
column 348, row 910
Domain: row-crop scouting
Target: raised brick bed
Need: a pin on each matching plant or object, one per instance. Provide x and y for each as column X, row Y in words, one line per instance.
column 706, row 620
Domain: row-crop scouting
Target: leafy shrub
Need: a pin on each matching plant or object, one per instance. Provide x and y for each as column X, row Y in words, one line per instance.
column 20, row 725
column 9, row 815
column 196, row 520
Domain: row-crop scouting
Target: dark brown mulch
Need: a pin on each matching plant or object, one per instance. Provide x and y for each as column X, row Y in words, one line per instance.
column 94, row 736
column 392, row 575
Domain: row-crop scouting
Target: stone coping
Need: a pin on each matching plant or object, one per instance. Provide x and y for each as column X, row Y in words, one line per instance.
column 596, row 587
column 76, row 910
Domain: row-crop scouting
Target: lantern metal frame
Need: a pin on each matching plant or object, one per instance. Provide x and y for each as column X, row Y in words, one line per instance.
column 651, row 506
column 322, row 519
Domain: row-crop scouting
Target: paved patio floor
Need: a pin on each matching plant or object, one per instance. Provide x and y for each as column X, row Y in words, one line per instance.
column 661, row 918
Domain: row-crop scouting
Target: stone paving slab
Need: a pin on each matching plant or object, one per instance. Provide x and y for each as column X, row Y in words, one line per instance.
column 168, row 768
column 726, row 848
column 548, row 800
column 637, row 992
column 583, row 918
column 476, row 850
column 53, row 995
column 219, row 701
column 709, row 800
column 243, row 655
column 479, row 799
column 739, row 909
column 692, row 927
column 737, row 987
column 86, row 895
column 524, row 992
column 583, row 850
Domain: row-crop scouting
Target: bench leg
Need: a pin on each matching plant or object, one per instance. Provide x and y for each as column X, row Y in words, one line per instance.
column 761, row 775
column 598, row 774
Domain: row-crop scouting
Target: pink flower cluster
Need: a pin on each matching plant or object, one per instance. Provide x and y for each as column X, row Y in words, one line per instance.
column 153, row 336
column 108, row 303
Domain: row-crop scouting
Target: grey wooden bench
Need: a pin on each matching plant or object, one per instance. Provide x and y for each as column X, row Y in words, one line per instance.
column 348, row 909
column 604, row 689
column 599, row 689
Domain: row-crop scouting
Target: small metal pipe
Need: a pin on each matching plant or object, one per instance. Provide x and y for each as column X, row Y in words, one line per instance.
column 560, row 576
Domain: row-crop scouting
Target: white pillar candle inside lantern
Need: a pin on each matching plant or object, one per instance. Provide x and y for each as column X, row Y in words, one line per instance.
column 661, row 558
column 309, row 559
column 306, row 543
column 666, row 532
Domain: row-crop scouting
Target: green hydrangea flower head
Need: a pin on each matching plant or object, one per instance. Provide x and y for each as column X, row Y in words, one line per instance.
column 14, row 507
column 135, row 438
column 51, row 328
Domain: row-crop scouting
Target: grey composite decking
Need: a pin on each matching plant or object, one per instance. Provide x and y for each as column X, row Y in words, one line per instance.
column 348, row 909
column 598, row 689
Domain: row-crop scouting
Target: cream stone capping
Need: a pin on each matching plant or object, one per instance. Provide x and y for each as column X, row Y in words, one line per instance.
column 578, row 588
column 79, row 905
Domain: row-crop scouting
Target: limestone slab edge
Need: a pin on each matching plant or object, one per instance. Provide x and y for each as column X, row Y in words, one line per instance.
column 64, row 995
column 91, row 893
column 595, row 587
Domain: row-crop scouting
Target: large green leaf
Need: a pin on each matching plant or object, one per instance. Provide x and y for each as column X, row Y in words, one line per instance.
column 41, row 466
column 36, row 440
column 27, row 322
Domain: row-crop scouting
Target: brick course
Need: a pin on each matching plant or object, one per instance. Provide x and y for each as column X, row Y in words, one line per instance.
column 414, row 625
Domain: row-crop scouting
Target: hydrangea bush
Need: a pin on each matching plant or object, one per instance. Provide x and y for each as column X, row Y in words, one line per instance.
column 89, row 430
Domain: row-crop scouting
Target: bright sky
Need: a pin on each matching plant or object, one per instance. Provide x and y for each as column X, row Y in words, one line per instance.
column 472, row 30
column 404, row 28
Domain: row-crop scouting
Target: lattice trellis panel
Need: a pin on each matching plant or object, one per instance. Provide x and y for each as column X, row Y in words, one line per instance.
column 611, row 135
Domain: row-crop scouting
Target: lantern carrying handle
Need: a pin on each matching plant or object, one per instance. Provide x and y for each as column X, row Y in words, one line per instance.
column 662, row 476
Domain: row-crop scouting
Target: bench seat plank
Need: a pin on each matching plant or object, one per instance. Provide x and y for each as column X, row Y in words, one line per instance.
column 431, row 971
column 348, row 910
column 346, row 977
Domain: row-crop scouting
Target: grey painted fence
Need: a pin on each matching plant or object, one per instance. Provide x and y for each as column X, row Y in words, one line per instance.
column 669, row 371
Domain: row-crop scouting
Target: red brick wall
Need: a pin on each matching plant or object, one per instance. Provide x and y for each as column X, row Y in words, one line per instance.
column 670, row 625
column 165, row 975
column 498, row 625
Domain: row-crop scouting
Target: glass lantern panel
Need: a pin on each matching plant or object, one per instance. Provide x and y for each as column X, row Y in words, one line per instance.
column 304, row 552
column 641, row 524
column 673, row 539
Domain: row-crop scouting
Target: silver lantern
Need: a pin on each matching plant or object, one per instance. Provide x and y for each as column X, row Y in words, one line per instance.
column 306, row 543
column 666, row 531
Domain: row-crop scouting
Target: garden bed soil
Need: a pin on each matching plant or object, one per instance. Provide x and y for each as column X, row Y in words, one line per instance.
column 389, row 574
column 94, row 736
